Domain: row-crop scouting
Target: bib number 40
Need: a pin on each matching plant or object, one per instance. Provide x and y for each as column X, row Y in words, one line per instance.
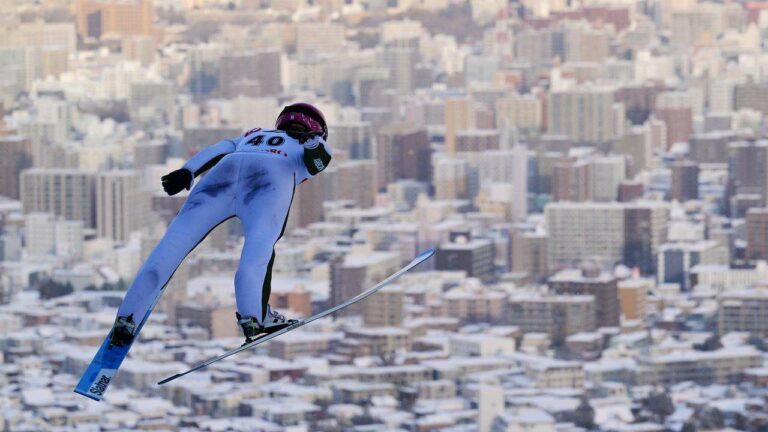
column 272, row 141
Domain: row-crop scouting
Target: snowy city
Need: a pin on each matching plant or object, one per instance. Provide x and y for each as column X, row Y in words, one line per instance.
column 592, row 173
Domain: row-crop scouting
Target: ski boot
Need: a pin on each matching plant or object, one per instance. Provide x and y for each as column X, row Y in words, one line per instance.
column 273, row 322
column 122, row 331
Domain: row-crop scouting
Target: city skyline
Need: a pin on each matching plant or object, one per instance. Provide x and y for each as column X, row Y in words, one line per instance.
column 593, row 174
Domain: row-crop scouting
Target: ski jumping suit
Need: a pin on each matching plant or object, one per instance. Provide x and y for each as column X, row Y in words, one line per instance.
column 253, row 178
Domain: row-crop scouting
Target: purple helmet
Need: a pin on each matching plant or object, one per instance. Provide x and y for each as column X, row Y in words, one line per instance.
column 305, row 114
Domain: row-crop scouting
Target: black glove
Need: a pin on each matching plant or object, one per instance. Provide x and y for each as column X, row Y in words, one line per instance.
column 175, row 181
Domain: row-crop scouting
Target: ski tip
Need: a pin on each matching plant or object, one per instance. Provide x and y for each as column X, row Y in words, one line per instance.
column 427, row 253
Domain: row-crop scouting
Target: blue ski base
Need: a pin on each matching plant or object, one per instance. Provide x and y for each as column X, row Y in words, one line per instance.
column 101, row 371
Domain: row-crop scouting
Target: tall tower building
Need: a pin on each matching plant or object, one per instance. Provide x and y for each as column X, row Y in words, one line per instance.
column 508, row 166
column 121, row 205
column 69, row 193
column 685, row 180
column 633, row 298
column 15, row 156
column 757, row 234
column 748, row 167
column 401, row 62
column 459, row 115
column 353, row 138
column 402, row 153
column 675, row 110
column 645, row 230
column 529, row 254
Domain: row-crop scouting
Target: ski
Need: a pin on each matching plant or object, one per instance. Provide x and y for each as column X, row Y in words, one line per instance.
column 261, row 339
column 102, row 369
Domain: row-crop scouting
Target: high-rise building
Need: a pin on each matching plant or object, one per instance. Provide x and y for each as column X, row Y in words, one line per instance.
column 15, row 156
column 385, row 309
column 459, row 115
column 402, row 153
column 631, row 190
column 558, row 316
column 524, row 112
column 353, row 138
column 685, row 180
column 69, row 193
column 586, row 114
column 508, row 166
column 451, row 178
column 711, row 147
column 475, row 256
column 607, row 173
column 121, row 204
column 675, row 260
column 639, row 99
column 401, row 62
column 591, row 280
column 635, row 146
column 757, row 234
column 591, row 178
column 356, row 181
column 354, row 273
column 529, row 254
column 674, row 109
column 748, row 167
column 645, row 229
column 633, row 297
column 579, row 231
column 98, row 18
column 571, row 180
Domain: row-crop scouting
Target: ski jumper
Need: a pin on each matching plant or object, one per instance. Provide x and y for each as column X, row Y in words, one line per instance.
column 253, row 178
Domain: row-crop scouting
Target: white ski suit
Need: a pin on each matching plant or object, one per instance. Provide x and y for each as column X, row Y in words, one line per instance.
column 253, row 178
